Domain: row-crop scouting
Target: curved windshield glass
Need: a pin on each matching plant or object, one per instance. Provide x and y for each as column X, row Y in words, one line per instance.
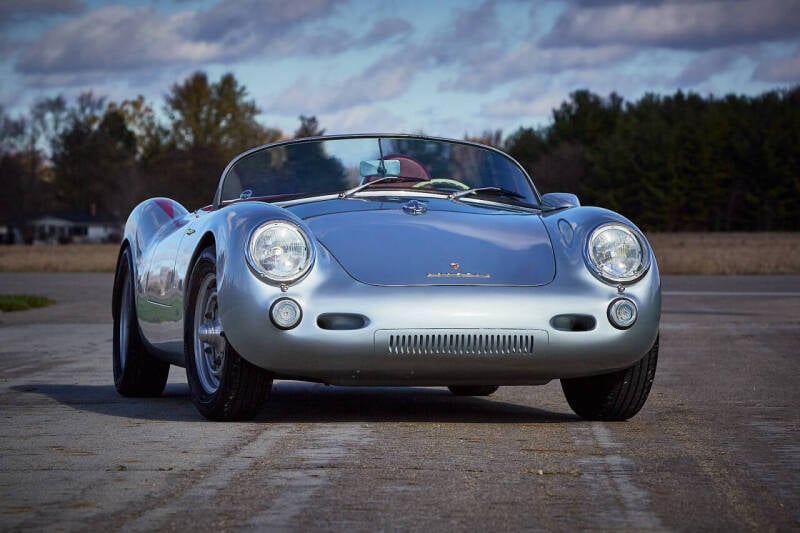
column 336, row 165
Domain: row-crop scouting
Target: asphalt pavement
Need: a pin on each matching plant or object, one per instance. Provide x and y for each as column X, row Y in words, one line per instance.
column 715, row 447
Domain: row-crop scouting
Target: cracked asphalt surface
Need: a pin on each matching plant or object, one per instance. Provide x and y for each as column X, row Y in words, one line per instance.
column 715, row 447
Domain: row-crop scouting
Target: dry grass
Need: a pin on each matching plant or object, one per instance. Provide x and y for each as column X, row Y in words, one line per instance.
column 677, row 253
column 59, row 258
column 727, row 253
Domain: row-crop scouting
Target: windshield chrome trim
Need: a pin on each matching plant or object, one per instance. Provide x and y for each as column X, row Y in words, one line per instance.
column 400, row 193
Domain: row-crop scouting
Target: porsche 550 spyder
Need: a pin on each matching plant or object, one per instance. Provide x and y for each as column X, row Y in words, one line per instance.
column 385, row 260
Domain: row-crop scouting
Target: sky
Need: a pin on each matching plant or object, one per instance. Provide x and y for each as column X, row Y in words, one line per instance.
column 442, row 67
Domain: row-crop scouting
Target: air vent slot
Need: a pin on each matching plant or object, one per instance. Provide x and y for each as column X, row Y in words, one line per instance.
column 456, row 342
column 573, row 322
column 341, row 321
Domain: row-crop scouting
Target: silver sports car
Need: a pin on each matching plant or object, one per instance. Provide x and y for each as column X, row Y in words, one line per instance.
column 385, row 260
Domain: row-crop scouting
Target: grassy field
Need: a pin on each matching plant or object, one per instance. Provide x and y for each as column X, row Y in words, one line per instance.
column 22, row 302
column 677, row 253
column 727, row 253
column 58, row 258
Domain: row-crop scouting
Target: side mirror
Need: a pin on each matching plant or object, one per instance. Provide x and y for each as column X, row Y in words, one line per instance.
column 559, row 200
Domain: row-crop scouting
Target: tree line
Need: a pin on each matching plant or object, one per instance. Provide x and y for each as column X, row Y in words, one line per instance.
column 674, row 163
column 94, row 156
column 680, row 162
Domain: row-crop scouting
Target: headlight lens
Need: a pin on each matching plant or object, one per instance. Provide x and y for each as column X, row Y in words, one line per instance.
column 616, row 253
column 279, row 251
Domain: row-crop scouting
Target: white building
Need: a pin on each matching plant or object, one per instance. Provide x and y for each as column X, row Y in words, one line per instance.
column 75, row 227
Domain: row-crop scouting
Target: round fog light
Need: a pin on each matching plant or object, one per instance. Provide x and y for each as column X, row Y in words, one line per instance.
column 622, row 313
column 285, row 313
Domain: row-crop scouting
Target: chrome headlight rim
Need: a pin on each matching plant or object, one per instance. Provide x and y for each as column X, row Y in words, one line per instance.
column 604, row 276
column 265, row 276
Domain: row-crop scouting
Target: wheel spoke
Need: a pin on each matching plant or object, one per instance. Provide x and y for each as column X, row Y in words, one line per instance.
column 209, row 340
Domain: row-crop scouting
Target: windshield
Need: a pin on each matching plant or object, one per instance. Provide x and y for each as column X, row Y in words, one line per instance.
column 335, row 165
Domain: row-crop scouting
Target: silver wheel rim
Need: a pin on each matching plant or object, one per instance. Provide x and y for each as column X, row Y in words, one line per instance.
column 124, row 322
column 209, row 342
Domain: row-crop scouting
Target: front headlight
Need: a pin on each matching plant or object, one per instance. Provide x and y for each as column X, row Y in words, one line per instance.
column 279, row 251
column 616, row 253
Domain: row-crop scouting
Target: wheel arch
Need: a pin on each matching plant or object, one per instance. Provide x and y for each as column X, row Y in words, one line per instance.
column 208, row 239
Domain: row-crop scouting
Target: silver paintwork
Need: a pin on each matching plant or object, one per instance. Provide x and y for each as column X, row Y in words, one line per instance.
column 534, row 260
column 559, row 200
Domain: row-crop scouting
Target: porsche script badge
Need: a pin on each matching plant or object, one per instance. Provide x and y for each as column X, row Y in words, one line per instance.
column 456, row 274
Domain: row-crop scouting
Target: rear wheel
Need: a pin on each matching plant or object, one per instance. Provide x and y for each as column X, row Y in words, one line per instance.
column 224, row 386
column 615, row 396
column 473, row 390
column 136, row 372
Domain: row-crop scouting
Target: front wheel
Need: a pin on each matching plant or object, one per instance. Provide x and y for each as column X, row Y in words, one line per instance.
column 615, row 396
column 224, row 386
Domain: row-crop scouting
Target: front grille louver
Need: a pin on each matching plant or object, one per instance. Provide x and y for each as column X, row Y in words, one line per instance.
column 456, row 343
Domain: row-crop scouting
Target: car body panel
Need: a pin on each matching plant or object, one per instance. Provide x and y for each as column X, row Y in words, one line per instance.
column 437, row 246
column 372, row 261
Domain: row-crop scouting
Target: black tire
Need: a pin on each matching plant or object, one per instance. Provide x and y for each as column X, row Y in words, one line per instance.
column 473, row 390
column 224, row 386
column 136, row 372
column 615, row 396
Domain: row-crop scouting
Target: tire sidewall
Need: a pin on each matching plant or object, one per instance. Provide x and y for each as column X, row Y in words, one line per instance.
column 124, row 282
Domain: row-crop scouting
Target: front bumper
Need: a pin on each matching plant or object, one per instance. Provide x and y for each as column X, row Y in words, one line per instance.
column 455, row 334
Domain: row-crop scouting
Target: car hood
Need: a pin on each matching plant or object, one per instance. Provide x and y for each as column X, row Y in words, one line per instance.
column 381, row 243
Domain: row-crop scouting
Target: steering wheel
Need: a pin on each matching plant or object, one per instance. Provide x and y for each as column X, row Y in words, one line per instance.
column 443, row 181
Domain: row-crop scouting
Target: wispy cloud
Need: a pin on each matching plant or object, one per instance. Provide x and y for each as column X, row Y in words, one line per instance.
column 683, row 25
column 707, row 65
column 361, row 118
column 386, row 29
column 385, row 79
column 780, row 69
column 498, row 66
column 523, row 103
column 118, row 38
column 21, row 11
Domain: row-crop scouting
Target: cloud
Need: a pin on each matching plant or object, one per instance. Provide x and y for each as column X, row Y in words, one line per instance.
column 780, row 69
column 706, row 65
column 20, row 11
column 363, row 118
column 695, row 25
column 524, row 103
column 246, row 27
column 485, row 56
column 115, row 38
column 470, row 40
column 385, row 79
column 119, row 38
column 386, row 29
column 491, row 67
column 469, row 29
